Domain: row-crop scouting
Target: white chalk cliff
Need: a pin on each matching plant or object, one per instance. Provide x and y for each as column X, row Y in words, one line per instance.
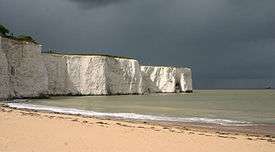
column 25, row 72
column 92, row 75
column 166, row 79
column 184, row 79
column 22, row 70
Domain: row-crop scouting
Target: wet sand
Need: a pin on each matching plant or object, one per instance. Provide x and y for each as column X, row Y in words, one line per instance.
column 22, row 130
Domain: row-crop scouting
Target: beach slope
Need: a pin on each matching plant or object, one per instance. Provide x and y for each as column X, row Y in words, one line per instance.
column 27, row 131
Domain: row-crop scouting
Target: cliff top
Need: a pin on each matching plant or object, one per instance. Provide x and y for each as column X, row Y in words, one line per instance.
column 165, row 66
column 88, row 54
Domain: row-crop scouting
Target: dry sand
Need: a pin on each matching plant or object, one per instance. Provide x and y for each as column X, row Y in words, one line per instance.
column 28, row 131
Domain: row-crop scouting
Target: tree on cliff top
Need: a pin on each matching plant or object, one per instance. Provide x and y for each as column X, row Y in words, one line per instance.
column 3, row 30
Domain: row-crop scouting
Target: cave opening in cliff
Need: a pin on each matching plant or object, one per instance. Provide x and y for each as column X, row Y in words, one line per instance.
column 177, row 87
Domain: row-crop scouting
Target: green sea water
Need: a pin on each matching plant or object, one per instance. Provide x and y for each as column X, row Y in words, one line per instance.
column 253, row 106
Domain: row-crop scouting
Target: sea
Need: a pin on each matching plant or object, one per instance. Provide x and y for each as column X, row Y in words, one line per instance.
column 221, row 107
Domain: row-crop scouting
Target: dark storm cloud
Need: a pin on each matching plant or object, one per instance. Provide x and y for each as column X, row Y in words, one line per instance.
column 89, row 4
column 228, row 43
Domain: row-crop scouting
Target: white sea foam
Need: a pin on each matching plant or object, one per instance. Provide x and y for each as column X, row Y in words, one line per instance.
column 224, row 122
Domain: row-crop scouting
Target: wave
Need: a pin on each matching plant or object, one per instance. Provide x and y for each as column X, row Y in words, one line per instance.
column 224, row 122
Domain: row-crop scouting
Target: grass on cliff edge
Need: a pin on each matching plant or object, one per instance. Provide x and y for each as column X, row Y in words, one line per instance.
column 87, row 54
column 22, row 38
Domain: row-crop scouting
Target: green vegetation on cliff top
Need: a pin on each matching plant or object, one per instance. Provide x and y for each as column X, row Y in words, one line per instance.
column 5, row 32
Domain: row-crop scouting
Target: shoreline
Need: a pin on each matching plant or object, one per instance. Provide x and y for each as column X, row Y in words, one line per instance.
column 254, row 130
column 32, row 130
column 171, row 126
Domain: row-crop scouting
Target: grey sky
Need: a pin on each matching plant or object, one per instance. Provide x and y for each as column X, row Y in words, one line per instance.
column 227, row 43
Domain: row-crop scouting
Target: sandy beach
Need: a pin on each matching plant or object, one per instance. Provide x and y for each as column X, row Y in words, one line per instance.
column 27, row 131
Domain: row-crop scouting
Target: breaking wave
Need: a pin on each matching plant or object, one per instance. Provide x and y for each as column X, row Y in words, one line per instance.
column 224, row 122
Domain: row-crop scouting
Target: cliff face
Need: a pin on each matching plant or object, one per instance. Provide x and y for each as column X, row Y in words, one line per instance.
column 23, row 73
column 56, row 70
column 73, row 74
column 123, row 76
column 166, row 79
column 184, row 78
column 86, row 75
column 4, row 75
column 92, row 75
column 159, row 79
